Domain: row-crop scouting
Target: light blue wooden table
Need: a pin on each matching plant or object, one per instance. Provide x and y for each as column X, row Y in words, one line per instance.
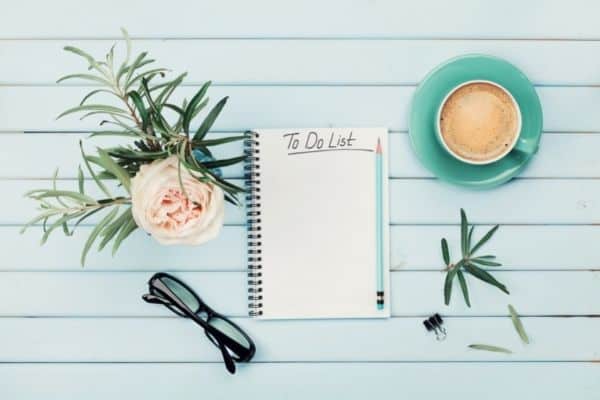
column 68, row 333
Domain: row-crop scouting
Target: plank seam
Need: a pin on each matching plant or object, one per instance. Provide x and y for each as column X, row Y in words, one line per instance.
column 449, row 38
column 354, row 362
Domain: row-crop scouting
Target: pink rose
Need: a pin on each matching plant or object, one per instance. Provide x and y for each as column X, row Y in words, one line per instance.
column 161, row 208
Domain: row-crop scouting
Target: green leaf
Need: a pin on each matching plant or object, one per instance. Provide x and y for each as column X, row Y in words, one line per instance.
column 210, row 119
column 145, row 74
column 54, row 178
column 58, row 223
column 199, row 108
column 518, row 324
column 464, row 226
column 487, row 347
column 485, row 262
column 169, row 87
column 216, row 142
column 445, row 252
column 189, row 110
column 135, row 65
column 86, row 216
column 448, row 285
column 463, row 287
column 81, row 53
column 156, row 115
column 179, row 123
column 146, row 93
column 234, row 201
column 124, row 232
column 125, row 153
column 470, row 237
column 485, row 276
column 66, row 230
column 92, row 173
column 80, row 181
column 227, row 186
column 111, row 166
column 124, row 67
column 94, row 160
column 96, row 231
column 175, row 108
column 140, row 107
column 223, row 163
column 87, row 77
column 91, row 61
column 111, row 230
column 45, row 193
column 484, row 239
column 111, row 114
column 105, row 175
column 110, row 57
column 179, row 177
column 115, row 133
column 93, row 93
column 96, row 108
column 141, row 64
column 38, row 218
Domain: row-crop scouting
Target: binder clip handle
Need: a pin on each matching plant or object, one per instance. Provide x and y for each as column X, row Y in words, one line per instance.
column 434, row 323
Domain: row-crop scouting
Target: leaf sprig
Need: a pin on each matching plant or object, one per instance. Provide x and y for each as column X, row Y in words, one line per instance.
column 469, row 263
column 67, row 209
column 144, row 113
column 137, row 103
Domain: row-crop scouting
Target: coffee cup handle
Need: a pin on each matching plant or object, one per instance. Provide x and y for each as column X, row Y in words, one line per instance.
column 527, row 146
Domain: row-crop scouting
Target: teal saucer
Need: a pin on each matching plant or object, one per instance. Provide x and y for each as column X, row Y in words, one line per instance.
column 431, row 93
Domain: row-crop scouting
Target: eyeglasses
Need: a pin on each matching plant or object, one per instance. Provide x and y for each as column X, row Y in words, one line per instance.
column 233, row 342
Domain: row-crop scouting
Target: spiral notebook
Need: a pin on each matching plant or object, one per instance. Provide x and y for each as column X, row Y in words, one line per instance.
column 312, row 221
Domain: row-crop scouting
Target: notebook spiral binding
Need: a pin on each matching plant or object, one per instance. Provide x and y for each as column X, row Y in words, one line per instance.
column 252, row 183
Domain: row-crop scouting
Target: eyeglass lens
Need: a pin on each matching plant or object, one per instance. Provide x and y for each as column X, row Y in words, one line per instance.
column 184, row 294
column 232, row 331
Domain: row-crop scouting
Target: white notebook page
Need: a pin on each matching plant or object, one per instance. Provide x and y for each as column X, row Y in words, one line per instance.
column 318, row 208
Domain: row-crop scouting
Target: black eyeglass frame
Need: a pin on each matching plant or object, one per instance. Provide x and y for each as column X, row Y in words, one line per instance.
column 160, row 293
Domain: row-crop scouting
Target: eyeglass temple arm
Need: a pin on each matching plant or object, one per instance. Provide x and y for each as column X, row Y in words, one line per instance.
column 151, row 298
column 229, row 364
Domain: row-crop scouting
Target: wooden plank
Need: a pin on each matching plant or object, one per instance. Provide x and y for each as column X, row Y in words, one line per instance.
column 398, row 339
column 292, row 106
column 571, row 201
column 139, row 252
column 499, row 381
column 413, row 293
column 412, row 248
column 229, row 18
column 520, row 201
column 517, row 247
column 55, row 150
column 381, row 61
column 417, row 201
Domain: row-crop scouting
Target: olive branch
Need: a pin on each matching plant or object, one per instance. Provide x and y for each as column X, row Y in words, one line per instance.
column 159, row 128
column 469, row 263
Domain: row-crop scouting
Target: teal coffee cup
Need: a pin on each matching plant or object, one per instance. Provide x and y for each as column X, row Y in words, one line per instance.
column 479, row 122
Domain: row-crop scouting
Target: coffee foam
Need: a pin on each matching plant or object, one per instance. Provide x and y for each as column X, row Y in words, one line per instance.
column 479, row 122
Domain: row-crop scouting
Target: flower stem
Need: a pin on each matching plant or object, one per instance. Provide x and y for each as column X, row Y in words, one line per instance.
column 102, row 203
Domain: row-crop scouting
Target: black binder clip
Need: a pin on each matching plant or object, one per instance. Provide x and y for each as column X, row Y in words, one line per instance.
column 434, row 323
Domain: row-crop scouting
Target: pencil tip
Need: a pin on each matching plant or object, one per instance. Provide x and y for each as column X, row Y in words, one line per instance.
column 378, row 150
